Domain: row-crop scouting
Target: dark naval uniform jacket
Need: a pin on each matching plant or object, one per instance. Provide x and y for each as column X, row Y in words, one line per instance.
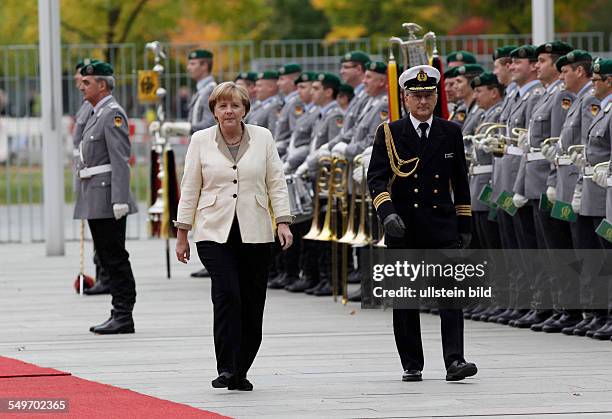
column 434, row 199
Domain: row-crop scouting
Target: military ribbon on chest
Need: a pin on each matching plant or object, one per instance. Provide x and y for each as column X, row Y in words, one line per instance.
column 394, row 159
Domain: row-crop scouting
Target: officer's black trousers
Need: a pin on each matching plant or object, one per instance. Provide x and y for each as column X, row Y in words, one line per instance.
column 239, row 274
column 108, row 236
column 407, row 328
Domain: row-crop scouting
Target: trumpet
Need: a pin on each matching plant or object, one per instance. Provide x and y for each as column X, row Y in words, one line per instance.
column 551, row 141
column 322, row 187
column 604, row 166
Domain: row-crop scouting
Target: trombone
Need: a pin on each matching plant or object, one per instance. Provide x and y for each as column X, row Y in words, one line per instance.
column 322, row 187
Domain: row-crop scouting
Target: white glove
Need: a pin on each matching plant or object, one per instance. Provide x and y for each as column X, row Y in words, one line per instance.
column 358, row 173
column 154, row 127
column 323, row 151
column 549, row 152
column 286, row 167
column 600, row 177
column 519, row 200
column 339, row 150
column 169, row 129
column 551, row 194
column 522, row 139
column 120, row 210
column 365, row 159
column 302, row 169
column 578, row 159
column 576, row 199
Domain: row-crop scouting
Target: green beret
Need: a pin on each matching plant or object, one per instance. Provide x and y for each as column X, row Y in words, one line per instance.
column 525, row 52
column 247, row 75
column 468, row 69
column 602, row 67
column 290, row 69
column 346, row 88
column 377, row 66
column 97, row 68
column 503, row 51
column 329, row 80
column 306, row 76
column 85, row 61
column 575, row 56
column 200, row 53
column 554, row 47
column 484, row 79
column 358, row 56
column 463, row 56
column 451, row 73
column 268, row 75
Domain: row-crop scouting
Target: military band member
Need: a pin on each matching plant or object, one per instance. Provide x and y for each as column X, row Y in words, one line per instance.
column 247, row 80
column 266, row 113
column 463, row 91
column 104, row 197
column 600, row 326
column 81, row 118
column 352, row 72
column 345, row 96
column 455, row 59
column 417, row 210
column 288, row 116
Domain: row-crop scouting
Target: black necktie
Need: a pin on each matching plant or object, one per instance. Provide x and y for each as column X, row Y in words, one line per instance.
column 423, row 127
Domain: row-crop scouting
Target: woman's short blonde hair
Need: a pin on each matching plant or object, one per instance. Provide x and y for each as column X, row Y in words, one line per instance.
column 229, row 91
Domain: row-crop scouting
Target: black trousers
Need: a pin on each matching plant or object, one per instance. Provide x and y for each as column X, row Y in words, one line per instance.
column 239, row 274
column 292, row 256
column 407, row 325
column 108, row 236
column 101, row 275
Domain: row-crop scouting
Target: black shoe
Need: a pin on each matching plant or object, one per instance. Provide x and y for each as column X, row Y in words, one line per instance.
column 568, row 319
column 355, row 296
column 354, row 277
column 91, row 329
column 202, row 273
column 476, row 312
column 604, row 332
column 569, row 330
column 221, row 381
column 493, row 311
column 319, row 284
column 98, row 289
column 595, row 324
column 524, row 317
column 281, row 281
column 300, row 286
column 537, row 327
column 412, row 375
column 120, row 323
column 240, row 384
column 515, row 314
column 536, row 316
column 324, row 291
column 459, row 370
column 493, row 319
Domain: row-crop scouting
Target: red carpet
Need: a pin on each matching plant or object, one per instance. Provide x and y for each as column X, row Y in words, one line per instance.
column 86, row 399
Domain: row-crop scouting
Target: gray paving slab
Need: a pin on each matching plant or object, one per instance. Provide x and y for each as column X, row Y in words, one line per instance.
column 318, row 359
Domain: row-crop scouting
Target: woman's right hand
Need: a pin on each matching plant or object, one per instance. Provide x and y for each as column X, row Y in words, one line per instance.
column 182, row 246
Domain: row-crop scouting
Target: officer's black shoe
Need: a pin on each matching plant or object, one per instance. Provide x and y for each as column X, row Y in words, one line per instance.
column 120, row 323
column 595, row 324
column 354, row 277
column 493, row 319
column 568, row 319
column 202, row 273
column 537, row 327
column 222, row 381
column 493, row 311
column 412, row 375
column 536, row 316
column 318, row 285
column 91, row 329
column 604, row 332
column 515, row 314
column 459, row 370
column 525, row 316
column 98, row 289
column 578, row 326
column 355, row 296
column 325, row 291
column 240, row 384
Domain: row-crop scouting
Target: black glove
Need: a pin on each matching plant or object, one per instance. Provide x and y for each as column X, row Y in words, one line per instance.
column 466, row 238
column 394, row 226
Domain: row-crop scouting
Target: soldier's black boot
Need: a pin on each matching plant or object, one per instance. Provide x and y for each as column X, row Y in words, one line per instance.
column 582, row 325
column 304, row 283
column 604, row 332
column 91, row 329
column 99, row 288
column 325, row 290
column 597, row 321
column 536, row 316
column 121, row 322
column 537, row 327
column 570, row 318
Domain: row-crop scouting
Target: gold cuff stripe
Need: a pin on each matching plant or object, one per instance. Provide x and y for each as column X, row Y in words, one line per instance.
column 380, row 198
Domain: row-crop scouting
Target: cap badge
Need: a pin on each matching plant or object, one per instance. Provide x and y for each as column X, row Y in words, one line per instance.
column 90, row 69
column 372, row 66
column 596, row 67
column 459, row 56
column 570, row 57
column 548, row 48
column 321, row 77
column 422, row 76
column 522, row 53
column 347, row 56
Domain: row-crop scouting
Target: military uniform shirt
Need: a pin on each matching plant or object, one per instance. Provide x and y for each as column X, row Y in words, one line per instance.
column 480, row 158
column 504, row 114
column 374, row 112
column 292, row 110
column 200, row 115
column 328, row 125
column 351, row 117
column 299, row 143
column 266, row 114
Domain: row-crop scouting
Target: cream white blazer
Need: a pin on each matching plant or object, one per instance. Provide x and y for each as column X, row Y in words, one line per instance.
column 215, row 187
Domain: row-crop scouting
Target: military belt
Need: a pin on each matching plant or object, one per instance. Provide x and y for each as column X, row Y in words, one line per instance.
column 95, row 170
column 588, row 171
column 480, row 169
column 514, row 150
column 535, row 156
column 563, row 161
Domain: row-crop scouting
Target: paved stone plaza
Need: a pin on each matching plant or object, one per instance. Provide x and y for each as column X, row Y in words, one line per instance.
column 318, row 359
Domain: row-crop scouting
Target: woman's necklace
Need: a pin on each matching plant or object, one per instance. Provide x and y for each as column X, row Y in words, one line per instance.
column 232, row 141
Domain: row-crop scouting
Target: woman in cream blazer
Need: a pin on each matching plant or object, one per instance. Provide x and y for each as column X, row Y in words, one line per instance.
column 232, row 176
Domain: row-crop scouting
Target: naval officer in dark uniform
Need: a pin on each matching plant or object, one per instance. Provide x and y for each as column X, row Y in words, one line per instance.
column 417, row 210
